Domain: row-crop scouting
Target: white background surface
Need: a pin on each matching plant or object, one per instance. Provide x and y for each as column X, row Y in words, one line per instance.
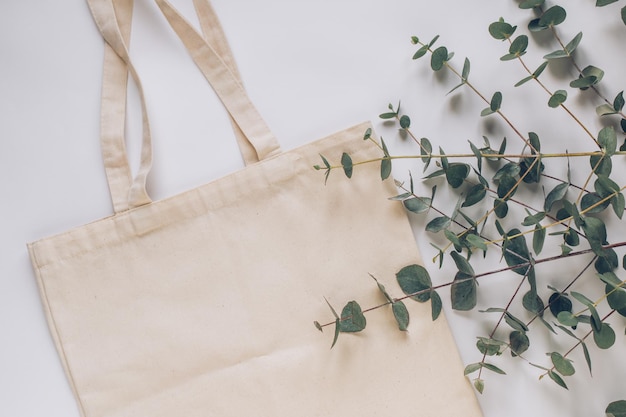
column 312, row 68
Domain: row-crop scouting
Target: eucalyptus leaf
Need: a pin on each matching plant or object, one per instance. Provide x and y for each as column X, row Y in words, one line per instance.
column 421, row 52
column 601, row 164
column 462, row 264
column 352, row 318
column 401, row 314
column 559, row 302
column 426, row 149
column 605, row 338
column 471, row 368
column 593, row 200
column 438, row 224
column 556, row 194
column 463, row 292
column 511, row 169
column 562, row 365
column 501, row 30
column 433, row 40
column 496, row 101
column 415, row 282
column 507, row 187
column 529, row 4
column 556, row 378
column 500, row 207
column 417, row 204
column 519, row 45
column 346, row 163
column 589, row 76
column 533, row 303
column 476, row 241
column 616, row 299
column 616, row 409
column 587, row 356
column 605, row 110
column 405, row 122
column 567, row 318
column 336, row 335
column 515, row 251
column 466, row 70
column 475, row 194
column 600, row 3
column 456, row 173
column 595, row 232
column 554, row 16
column 607, row 138
column 436, row 305
column 534, row 219
column 573, row 44
column 479, row 384
column 539, row 237
column 514, row 322
column 519, row 342
column 557, row 98
column 618, row 102
column 559, row 53
column 438, row 58
column 493, row 368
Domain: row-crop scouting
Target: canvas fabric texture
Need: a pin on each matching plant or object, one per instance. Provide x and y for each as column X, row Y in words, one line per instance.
column 203, row 304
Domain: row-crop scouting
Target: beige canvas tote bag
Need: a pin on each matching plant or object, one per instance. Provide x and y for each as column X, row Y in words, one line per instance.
column 203, row 304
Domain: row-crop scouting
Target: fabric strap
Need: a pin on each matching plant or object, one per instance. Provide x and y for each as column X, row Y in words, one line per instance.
column 113, row 18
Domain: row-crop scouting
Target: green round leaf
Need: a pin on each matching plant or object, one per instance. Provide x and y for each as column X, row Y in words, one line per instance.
column 519, row 342
column 529, row 4
column 533, row 303
column 414, row 281
column 352, row 318
column 557, row 98
column 605, row 338
column 616, row 409
column 562, row 365
column 507, row 187
column 501, row 30
column 476, row 194
column 489, row 347
column 500, row 207
column 519, row 45
column 405, row 122
column 554, row 16
column 456, row 173
column 439, row 58
column 566, row 318
column 616, row 299
column 463, row 292
column 558, row 303
column 556, row 194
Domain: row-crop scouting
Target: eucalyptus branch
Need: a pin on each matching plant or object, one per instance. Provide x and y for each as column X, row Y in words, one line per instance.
column 580, row 71
column 551, row 94
column 480, row 275
column 502, row 317
column 465, row 81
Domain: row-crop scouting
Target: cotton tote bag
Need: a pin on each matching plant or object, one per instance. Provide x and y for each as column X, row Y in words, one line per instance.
column 203, row 304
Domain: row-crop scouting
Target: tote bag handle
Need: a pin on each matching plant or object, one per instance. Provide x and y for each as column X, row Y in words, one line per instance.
column 113, row 19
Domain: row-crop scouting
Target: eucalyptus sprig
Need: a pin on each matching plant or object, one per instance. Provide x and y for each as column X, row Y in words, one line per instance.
column 488, row 215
